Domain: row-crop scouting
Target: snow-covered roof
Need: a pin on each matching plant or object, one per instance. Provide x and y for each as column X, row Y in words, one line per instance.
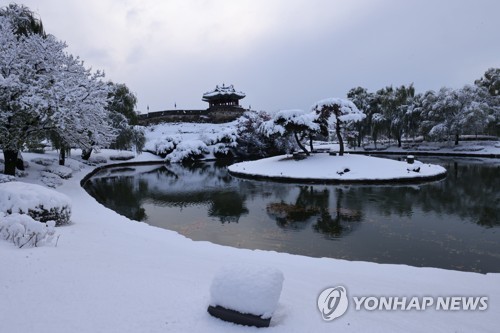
column 219, row 91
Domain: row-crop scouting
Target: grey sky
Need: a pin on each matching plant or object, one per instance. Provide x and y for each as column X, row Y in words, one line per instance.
column 282, row 53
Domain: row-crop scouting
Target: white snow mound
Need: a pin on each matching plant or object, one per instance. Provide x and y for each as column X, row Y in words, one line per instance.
column 247, row 289
column 19, row 197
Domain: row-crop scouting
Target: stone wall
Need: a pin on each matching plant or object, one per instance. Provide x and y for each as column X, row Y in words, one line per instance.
column 211, row 115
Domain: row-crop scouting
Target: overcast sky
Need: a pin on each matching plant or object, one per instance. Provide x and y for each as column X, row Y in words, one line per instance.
column 282, row 53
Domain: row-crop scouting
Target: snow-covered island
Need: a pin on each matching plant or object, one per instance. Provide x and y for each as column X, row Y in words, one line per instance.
column 323, row 168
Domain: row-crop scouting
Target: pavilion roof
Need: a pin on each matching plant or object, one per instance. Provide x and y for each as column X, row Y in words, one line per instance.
column 223, row 91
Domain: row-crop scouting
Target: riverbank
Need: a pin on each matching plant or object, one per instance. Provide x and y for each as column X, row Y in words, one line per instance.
column 110, row 274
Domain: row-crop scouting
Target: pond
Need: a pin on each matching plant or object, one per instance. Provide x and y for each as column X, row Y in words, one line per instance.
column 453, row 223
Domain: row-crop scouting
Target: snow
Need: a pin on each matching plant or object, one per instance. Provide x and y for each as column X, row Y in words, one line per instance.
column 205, row 138
column 187, row 149
column 20, row 197
column 60, row 170
column 323, row 167
column 24, row 231
column 110, row 274
column 297, row 117
column 223, row 91
column 247, row 288
column 349, row 111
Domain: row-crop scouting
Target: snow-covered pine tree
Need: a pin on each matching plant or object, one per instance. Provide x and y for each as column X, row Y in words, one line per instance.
column 301, row 124
column 338, row 112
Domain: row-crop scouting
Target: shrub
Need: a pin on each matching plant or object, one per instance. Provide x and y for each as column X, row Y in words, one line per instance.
column 39, row 202
column 24, row 231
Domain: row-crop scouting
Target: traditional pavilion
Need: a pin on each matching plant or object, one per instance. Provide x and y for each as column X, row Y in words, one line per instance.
column 222, row 97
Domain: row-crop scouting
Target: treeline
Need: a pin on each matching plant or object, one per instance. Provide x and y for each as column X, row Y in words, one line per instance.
column 47, row 94
column 400, row 113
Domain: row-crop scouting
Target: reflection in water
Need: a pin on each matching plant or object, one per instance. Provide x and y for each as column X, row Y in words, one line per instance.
column 452, row 223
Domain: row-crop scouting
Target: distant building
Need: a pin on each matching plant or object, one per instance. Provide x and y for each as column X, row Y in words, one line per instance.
column 224, row 106
column 222, row 97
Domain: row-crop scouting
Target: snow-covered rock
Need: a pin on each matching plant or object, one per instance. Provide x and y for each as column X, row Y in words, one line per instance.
column 247, row 289
column 39, row 202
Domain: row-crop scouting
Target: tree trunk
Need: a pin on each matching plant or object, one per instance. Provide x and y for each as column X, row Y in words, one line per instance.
column 62, row 155
column 311, row 143
column 300, row 144
column 456, row 139
column 10, row 157
column 19, row 161
column 86, row 154
column 339, row 138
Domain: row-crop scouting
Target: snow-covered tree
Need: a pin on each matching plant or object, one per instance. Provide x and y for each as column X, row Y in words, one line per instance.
column 363, row 101
column 23, row 20
column 301, row 124
column 490, row 81
column 78, row 99
column 27, row 68
column 46, row 92
column 395, row 105
column 123, row 117
column 452, row 112
column 254, row 139
column 337, row 112
column 123, row 101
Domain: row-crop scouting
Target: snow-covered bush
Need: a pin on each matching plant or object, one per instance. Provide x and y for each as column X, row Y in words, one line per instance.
column 73, row 164
column 97, row 159
column 247, row 289
column 43, row 161
column 122, row 156
column 187, row 151
column 221, row 142
column 253, row 138
column 6, row 178
column 164, row 146
column 50, row 179
column 220, row 150
column 228, row 136
column 24, row 231
column 60, row 170
column 39, row 202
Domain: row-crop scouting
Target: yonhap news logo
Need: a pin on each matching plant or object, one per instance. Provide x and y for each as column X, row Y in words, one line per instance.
column 333, row 303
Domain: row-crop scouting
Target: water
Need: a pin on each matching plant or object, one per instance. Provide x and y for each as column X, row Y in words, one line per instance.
column 453, row 223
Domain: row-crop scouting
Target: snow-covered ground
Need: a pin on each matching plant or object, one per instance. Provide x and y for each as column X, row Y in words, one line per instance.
column 110, row 274
column 347, row 168
column 178, row 140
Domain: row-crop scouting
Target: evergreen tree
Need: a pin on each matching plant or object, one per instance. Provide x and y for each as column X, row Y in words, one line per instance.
column 338, row 112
